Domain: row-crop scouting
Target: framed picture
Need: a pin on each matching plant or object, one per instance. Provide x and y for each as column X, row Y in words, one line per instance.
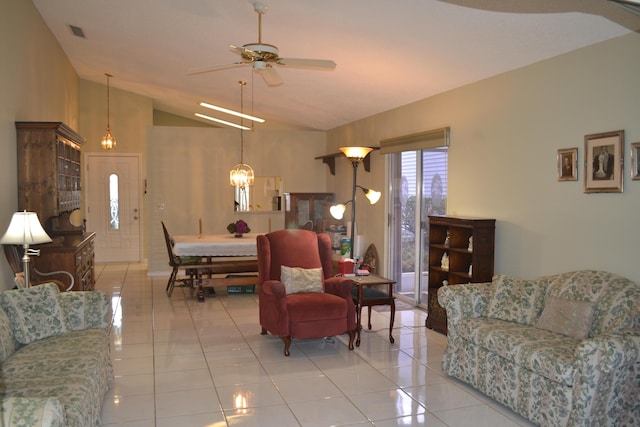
column 635, row 160
column 603, row 162
column 568, row 164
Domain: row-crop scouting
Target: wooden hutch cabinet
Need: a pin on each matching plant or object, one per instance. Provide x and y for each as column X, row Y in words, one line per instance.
column 48, row 168
column 73, row 253
column 460, row 251
column 303, row 207
column 49, row 171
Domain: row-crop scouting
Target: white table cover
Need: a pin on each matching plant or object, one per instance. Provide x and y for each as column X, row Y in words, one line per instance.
column 215, row 245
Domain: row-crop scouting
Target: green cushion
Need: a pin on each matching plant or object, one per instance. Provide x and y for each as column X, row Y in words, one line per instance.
column 369, row 293
column 187, row 260
column 34, row 313
column 516, row 300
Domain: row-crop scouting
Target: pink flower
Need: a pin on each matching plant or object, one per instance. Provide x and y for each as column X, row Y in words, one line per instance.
column 242, row 227
column 239, row 227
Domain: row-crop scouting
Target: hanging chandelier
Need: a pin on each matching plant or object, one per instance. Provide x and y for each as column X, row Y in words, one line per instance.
column 108, row 141
column 241, row 175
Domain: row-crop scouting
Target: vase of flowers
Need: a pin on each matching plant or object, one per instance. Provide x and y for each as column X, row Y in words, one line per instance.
column 238, row 228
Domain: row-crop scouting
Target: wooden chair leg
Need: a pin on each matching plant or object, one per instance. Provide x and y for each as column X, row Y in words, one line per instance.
column 264, row 331
column 287, row 344
column 172, row 281
column 393, row 315
column 352, row 336
column 369, row 320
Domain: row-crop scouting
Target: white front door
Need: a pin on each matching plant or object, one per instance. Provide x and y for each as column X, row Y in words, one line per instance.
column 113, row 206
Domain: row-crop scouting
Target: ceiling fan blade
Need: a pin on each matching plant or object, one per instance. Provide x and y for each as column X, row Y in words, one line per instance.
column 269, row 75
column 322, row 64
column 237, row 49
column 245, row 53
column 207, row 69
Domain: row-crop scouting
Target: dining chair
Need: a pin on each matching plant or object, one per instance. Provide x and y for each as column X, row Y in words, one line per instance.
column 192, row 265
column 299, row 297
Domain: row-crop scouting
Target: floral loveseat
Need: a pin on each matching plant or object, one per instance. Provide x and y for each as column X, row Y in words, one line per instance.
column 560, row 350
column 55, row 366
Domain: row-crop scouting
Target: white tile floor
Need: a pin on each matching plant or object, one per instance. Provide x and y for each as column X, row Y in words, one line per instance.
column 181, row 363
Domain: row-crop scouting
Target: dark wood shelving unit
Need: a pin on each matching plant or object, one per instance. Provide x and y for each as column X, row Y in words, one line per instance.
column 461, row 258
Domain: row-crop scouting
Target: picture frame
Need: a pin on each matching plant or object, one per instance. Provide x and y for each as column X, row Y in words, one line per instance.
column 568, row 164
column 635, row 160
column 604, row 162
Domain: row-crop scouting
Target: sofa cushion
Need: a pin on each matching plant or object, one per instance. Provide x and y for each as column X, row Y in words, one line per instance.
column 7, row 343
column 515, row 300
column 33, row 411
column 315, row 306
column 615, row 298
column 298, row 279
column 546, row 353
column 74, row 367
column 34, row 313
column 566, row 317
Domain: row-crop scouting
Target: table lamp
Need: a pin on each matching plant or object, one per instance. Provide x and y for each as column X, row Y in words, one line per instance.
column 25, row 229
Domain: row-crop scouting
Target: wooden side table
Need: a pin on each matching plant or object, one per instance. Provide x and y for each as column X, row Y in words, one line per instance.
column 366, row 292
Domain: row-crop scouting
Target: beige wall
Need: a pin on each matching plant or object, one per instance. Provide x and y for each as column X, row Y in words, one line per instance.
column 505, row 133
column 189, row 178
column 129, row 117
column 37, row 83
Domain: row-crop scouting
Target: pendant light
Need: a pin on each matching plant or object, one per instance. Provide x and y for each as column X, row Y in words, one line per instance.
column 241, row 175
column 108, row 141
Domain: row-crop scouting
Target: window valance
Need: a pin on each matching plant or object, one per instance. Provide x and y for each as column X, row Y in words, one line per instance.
column 418, row 141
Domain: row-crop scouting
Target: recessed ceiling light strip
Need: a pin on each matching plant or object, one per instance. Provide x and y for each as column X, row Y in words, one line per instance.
column 213, row 119
column 233, row 113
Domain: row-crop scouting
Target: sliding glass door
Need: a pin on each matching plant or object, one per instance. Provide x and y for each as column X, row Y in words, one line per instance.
column 418, row 189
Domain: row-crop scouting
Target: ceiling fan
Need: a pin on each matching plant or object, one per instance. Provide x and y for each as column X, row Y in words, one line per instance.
column 263, row 57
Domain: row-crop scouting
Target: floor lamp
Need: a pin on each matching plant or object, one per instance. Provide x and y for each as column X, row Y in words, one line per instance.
column 25, row 229
column 355, row 155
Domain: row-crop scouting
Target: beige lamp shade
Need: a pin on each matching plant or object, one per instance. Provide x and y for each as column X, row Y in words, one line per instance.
column 337, row 211
column 25, row 228
column 356, row 153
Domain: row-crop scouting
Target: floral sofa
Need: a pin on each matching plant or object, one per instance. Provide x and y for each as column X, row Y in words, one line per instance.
column 560, row 350
column 55, row 365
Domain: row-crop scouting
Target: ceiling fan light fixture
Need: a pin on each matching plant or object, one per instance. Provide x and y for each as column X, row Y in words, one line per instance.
column 264, row 58
column 108, row 141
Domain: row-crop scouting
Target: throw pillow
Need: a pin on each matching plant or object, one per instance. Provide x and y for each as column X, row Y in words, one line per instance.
column 34, row 313
column 298, row 279
column 515, row 300
column 566, row 317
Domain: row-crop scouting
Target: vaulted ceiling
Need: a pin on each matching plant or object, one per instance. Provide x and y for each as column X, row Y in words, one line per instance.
column 388, row 53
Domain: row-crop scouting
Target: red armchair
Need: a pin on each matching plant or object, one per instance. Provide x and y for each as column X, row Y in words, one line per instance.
column 307, row 314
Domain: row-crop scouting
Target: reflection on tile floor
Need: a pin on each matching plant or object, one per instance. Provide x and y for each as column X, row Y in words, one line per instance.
column 178, row 362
